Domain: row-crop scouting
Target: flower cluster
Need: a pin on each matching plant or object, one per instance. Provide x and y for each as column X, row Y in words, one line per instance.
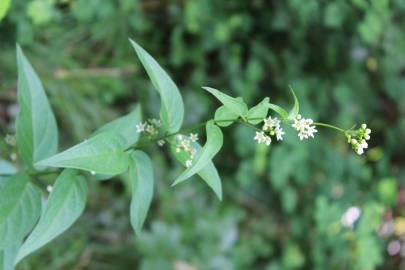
column 304, row 127
column 358, row 139
column 184, row 143
column 271, row 127
column 151, row 127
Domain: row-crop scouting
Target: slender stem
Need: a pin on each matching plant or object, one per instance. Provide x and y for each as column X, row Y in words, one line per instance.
column 330, row 126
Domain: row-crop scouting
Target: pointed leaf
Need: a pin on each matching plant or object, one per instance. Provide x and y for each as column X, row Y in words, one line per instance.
column 37, row 133
column 283, row 113
column 235, row 105
column 20, row 207
column 141, row 176
column 172, row 107
column 296, row 108
column 103, row 153
column 223, row 114
column 210, row 149
column 257, row 113
column 209, row 173
column 125, row 126
column 64, row 206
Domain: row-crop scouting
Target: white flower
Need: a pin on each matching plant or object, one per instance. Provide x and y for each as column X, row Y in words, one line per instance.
column 140, row 127
column 193, row 137
column 304, row 127
column 267, row 140
column 279, row 133
column 271, row 123
column 262, row 138
column 161, row 142
column 155, row 122
column 49, row 188
column 259, row 136
column 151, row 130
column 350, row 217
column 189, row 162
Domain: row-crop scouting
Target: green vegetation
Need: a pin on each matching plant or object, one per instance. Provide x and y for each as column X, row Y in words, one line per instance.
column 310, row 204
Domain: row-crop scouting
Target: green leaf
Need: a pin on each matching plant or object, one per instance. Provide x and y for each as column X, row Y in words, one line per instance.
column 258, row 112
column 210, row 149
column 296, row 108
column 141, row 176
column 20, row 207
column 4, row 6
column 209, row 173
column 283, row 113
column 103, row 154
column 222, row 114
column 37, row 133
column 235, row 105
column 172, row 107
column 7, row 167
column 64, row 206
column 125, row 126
column 7, row 257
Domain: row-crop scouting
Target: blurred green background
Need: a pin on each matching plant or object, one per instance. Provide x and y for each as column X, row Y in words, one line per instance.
column 282, row 205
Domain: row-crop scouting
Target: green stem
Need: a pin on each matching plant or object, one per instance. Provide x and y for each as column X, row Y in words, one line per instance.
column 330, row 126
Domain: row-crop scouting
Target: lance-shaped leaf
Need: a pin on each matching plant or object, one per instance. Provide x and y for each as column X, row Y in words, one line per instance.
column 235, row 105
column 7, row 257
column 20, row 207
column 37, row 133
column 296, row 108
column 212, row 146
column 209, row 173
column 280, row 111
column 103, row 154
column 257, row 113
column 65, row 204
column 125, row 126
column 141, row 177
column 224, row 117
column 172, row 107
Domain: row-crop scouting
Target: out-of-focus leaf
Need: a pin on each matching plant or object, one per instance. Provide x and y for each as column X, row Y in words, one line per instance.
column 125, row 126
column 172, row 107
column 141, row 176
column 37, row 133
column 103, row 154
column 4, row 6
column 20, row 207
column 64, row 206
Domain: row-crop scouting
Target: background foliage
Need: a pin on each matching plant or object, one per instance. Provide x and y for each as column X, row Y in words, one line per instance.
column 282, row 206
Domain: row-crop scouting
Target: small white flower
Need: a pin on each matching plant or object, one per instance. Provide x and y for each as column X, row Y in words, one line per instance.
column 259, row 136
column 271, row 123
column 267, row 140
column 279, row 133
column 350, row 216
column 140, row 127
column 49, row 188
column 193, row 152
column 178, row 149
column 304, row 127
column 155, row 122
column 179, row 137
column 193, row 137
column 189, row 162
column 151, row 130
column 161, row 142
